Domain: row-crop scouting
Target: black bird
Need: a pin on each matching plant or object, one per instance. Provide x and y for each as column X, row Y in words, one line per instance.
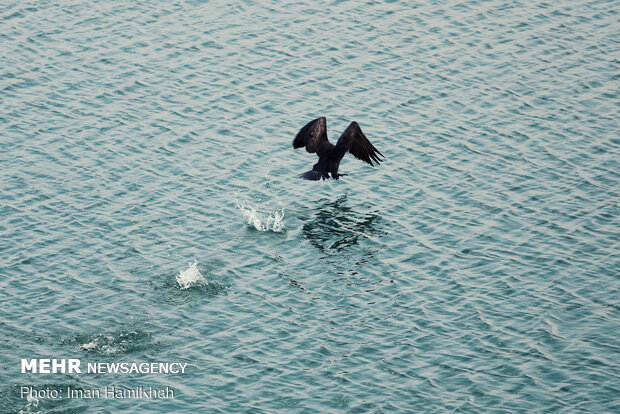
column 313, row 136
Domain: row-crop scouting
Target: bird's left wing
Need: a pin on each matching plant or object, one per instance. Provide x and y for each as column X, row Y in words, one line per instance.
column 354, row 141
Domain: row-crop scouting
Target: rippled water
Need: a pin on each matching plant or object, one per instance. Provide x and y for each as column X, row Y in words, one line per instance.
column 150, row 209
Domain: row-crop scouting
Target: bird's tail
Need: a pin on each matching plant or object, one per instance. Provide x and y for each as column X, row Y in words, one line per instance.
column 314, row 175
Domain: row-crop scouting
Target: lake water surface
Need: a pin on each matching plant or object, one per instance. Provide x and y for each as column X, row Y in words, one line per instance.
column 150, row 209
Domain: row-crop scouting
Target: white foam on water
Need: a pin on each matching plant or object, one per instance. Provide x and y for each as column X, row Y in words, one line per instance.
column 263, row 221
column 190, row 276
column 32, row 405
column 89, row 345
column 103, row 344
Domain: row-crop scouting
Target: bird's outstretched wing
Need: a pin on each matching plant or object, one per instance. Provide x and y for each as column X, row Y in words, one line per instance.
column 313, row 136
column 354, row 141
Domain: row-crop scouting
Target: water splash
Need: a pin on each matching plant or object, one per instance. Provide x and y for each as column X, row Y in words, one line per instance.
column 32, row 405
column 103, row 344
column 263, row 220
column 190, row 276
column 112, row 343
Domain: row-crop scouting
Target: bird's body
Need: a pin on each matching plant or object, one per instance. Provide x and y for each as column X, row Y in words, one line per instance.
column 313, row 136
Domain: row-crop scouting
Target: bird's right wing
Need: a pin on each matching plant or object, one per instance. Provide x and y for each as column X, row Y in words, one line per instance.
column 313, row 136
column 354, row 141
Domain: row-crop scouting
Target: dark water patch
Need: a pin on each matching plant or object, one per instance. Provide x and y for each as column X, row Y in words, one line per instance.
column 336, row 226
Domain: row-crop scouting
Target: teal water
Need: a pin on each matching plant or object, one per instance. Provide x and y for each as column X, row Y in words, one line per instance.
column 476, row 270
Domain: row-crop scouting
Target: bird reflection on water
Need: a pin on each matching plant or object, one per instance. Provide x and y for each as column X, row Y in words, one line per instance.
column 336, row 227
